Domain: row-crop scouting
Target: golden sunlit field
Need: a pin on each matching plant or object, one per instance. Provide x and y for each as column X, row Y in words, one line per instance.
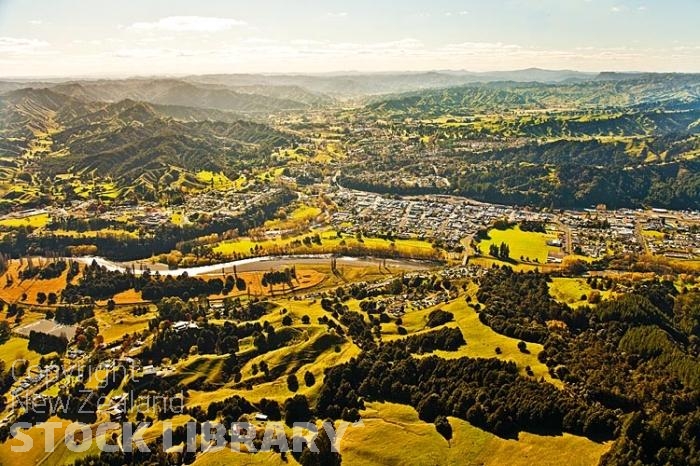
column 393, row 434
column 30, row 286
column 523, row 245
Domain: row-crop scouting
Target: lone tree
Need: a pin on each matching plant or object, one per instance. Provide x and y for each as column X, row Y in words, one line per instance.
column 442, row 425
column 522, row 346
column 292, row 383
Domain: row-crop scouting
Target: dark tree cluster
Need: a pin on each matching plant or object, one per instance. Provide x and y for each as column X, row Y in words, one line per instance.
column 47, row 272
column 439, row 317
column 533, row 225
column 501, row 252
column 208, row 338
column 182, row 286
column 228, row 411
column 488, row 393
column 44, row 343
column 446, row 339
column 69, row 315
column 519, row 304
column 637, row 360
column 82, row 225
column 98, row 283
column 279, row 277
column 359, row 330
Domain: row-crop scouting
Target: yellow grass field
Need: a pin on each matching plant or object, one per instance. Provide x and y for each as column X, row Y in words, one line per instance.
column 34, row 221
column 31, row 287
column 481, row 340
column 37, row 453
column 393, row 434
column 114, row 325
column 314, row 351
column 653, row 234
column 686, row 265
column 16, row 348
column 299, row 216
column 218, row 181
column 570, row 291
column 527, row 244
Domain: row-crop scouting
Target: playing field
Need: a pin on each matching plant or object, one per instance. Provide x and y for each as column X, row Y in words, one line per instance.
column 526, row 244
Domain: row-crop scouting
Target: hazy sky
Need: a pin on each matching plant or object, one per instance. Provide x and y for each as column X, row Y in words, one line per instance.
column 143, row 37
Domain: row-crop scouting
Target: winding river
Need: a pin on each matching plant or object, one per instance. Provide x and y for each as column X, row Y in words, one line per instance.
column 254, row 264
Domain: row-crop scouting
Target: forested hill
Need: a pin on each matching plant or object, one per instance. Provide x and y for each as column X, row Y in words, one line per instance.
column 133, row 142
column 667, row 91
column 624, row 140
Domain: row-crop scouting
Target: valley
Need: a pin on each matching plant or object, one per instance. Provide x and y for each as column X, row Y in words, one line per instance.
column 493, row 268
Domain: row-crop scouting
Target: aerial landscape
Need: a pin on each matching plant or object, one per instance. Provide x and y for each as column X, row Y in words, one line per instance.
column 360, row 233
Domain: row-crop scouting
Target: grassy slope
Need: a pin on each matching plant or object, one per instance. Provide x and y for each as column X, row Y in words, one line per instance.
column 29, row 286
column 481, row 340
column 16, row 348
column 570, row 290
column 393, row 434
column 114, row 325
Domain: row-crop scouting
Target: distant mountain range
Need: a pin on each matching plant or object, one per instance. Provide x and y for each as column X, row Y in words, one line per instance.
column 294, row 91
column 360, row 84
